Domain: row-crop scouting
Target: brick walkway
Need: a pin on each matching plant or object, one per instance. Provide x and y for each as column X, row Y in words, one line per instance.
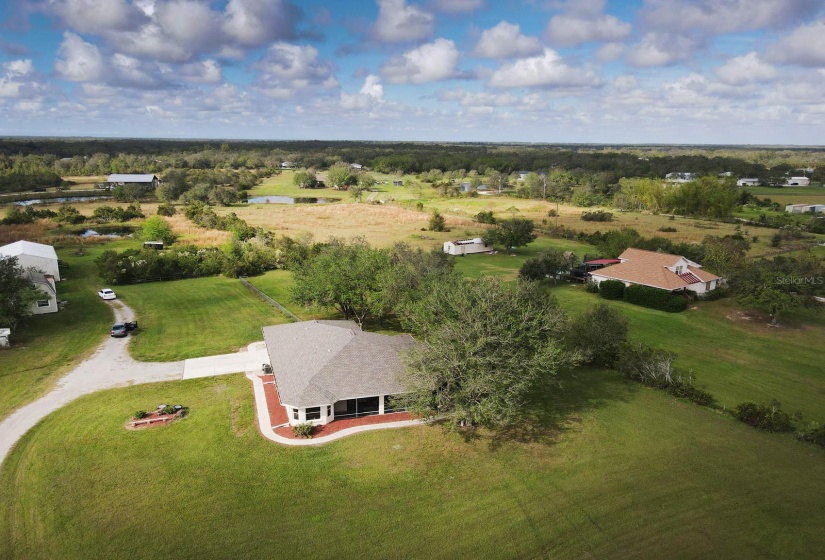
column 278, row 415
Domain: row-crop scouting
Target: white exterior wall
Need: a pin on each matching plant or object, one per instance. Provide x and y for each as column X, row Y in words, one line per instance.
column 476, row 246
column 45, row 295
column 799, row 181
column 302, row 415
column 747, row 182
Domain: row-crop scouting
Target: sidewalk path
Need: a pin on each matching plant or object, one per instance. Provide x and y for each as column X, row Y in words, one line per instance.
column 110, row 366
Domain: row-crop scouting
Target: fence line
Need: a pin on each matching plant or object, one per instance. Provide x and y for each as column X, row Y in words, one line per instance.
column 269, row 300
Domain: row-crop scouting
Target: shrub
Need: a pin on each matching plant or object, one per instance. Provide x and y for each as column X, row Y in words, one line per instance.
column 552, row 213
column 141, row 414
column 611, row 289
column 814, row 433
column 437, row 221
column 667, row 229
column 655, row 298
column 770, row 418
column 597, row 216
column 654, row 368
column 486, row 217
column 166, row 210
column 598, row 334
column 718, row 293
column 303, row 430
column 591, row 287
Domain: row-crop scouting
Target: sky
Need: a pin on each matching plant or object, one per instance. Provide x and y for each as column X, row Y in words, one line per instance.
column 585, row 71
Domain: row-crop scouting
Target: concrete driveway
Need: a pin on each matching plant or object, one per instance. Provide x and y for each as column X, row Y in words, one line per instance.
column 239, row 362
column 112, row 366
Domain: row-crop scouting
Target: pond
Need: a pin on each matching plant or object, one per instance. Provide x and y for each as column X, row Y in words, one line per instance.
column 113, row 235
column 60, row 199
column 290, row 200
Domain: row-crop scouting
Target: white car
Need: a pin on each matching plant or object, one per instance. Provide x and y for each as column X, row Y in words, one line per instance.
column 106, row 293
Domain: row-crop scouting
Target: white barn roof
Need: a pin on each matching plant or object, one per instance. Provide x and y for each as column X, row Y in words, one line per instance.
column 28, row 248
column 126, row 178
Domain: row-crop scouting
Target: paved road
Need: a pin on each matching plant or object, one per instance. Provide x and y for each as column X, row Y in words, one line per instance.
column 110, row 366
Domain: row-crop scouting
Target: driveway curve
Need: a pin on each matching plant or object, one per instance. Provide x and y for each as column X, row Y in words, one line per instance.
column 110, row 366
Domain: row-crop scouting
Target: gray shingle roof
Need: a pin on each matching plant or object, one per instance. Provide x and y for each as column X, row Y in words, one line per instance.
column 321, row 362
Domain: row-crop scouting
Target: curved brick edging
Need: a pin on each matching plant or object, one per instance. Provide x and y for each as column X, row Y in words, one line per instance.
column 265, row 423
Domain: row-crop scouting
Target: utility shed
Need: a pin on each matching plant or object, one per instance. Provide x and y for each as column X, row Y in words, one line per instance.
column 466, row 246
column 33, row 255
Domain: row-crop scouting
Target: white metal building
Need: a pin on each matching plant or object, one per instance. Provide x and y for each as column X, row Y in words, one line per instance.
column 33, row 255
column 466, row 246
column 747, row 182
column 797, row 182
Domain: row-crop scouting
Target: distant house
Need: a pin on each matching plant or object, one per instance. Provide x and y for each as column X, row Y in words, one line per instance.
column 356, row 166
column 466, row 247
column 726, row 174
column 681, row 177
column 465, row 187
column 47, row 302
column 328, row 370
column 522, row 175
column 398, row 183
column 287, row 165
column 797, row 182
column 5, row 333
column 33, row 255
column 748, row 182
column 805, row 208
column 119, row 179
column 673, row 273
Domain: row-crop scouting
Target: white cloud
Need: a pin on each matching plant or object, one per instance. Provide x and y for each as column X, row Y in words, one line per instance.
column 78, row 61
column 95, row 16
column 658, row 49
column 545, row 71
column 21, row 67
column 725, row 16
column 203, row 72
column 286, row 68
column 188, row 23
column 457, row 6
column 577, row 28
column 400, row 22
column 746, row 69
column 505, row 40
column 804, row 46
column 428, row 63
column 371, row 93
column 610, row 51
column 252, row 23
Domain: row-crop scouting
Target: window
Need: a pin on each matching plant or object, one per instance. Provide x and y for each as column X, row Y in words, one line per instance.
column 295, row 414
column 42, row 303
column 329, row 410
column 314, row 413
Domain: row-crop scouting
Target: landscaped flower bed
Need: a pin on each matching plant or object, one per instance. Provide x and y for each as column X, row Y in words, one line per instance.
column 163, row 415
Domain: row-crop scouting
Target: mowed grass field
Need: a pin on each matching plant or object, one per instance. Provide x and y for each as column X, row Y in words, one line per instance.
column 731, row 352
column 192, row 318
column 609, row 470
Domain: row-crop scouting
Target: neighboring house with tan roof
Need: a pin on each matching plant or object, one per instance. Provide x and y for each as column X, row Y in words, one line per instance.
column 673, row 273
column 332, row 369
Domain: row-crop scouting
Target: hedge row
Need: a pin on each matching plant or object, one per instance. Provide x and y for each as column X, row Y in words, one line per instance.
column 643, row 295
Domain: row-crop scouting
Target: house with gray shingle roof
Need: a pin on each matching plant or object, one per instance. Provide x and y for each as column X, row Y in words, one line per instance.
column 327, row 370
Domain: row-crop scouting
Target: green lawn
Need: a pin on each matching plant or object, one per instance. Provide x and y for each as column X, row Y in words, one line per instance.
column 610, row 470
column 197, row 317
column 506, row 265
column 735, row 358
column 49, row 345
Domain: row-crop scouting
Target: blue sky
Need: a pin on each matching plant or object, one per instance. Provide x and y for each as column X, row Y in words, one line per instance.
column 599, row 71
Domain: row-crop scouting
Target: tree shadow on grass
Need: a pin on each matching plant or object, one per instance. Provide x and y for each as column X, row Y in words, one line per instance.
column 554, row 408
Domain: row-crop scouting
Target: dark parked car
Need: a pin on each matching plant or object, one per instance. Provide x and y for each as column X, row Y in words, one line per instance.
column 119, row 330
column 130, row 326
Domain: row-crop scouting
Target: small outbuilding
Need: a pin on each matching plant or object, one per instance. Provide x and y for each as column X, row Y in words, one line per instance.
column 466, row 246
column 748, row 182
column 47, row 300
column 146, row 179
column 797, row 182
column 4, row 337
column 33, row 255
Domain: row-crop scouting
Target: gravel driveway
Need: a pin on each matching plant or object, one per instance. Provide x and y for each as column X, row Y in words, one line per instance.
column 110, row 366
